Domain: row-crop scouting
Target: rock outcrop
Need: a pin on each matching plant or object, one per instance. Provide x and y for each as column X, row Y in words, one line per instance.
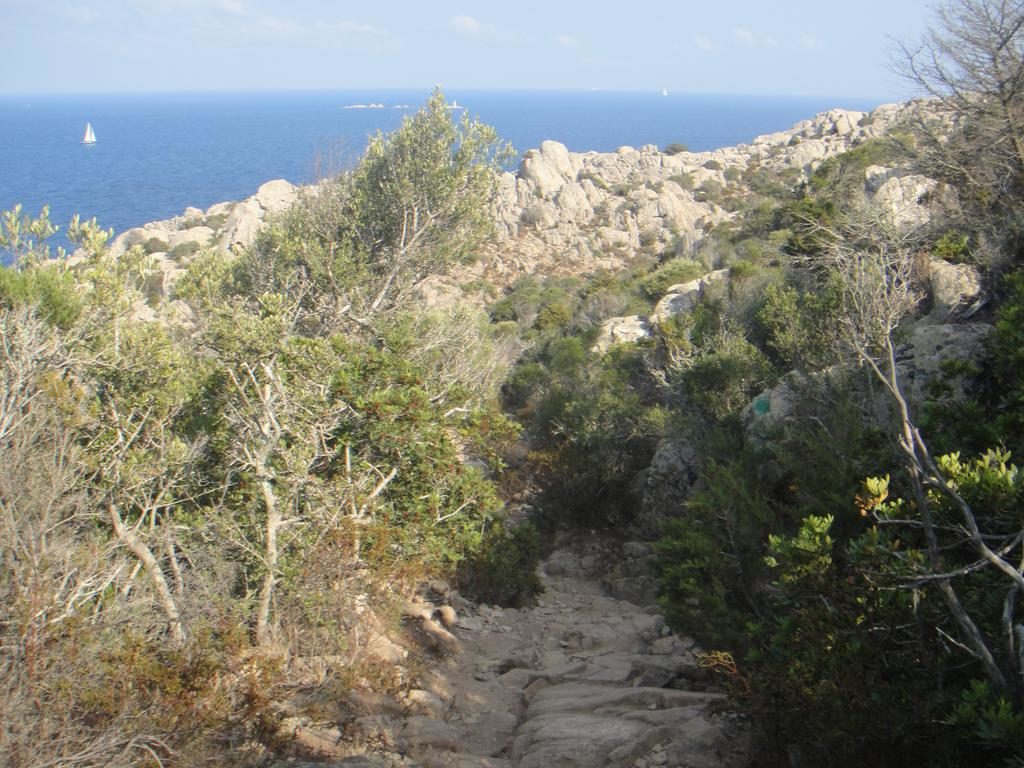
column 565, row 212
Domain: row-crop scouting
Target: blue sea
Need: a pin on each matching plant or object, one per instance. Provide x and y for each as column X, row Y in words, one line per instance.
column 156, row 154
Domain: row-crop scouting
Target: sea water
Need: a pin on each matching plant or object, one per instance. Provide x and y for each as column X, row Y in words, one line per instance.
column 156, row 154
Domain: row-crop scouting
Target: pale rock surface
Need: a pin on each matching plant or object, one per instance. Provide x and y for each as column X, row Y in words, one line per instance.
column 622, row 330
column 954, row 289
column 911, row 201
column 684, row 297
column 241, row 226
column 922, row 364
column 277, row 195
column 669, row 480
column 200, row 235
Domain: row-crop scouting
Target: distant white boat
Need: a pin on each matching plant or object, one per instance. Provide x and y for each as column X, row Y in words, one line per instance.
column 455, row 105
column 90, row 136
column 664, row 91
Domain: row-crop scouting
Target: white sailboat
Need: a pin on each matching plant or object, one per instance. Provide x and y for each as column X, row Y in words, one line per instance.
column 90, row 136
column 664, row 91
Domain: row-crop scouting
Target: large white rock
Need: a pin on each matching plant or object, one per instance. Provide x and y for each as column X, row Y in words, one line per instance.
column 242, row 225
column 128, row 238
column 912, row 201
column 198, row 235
column 622, row 330
column 954, row 288
column 276, row 195
column 541, row 173
column 684, row 297
column 924, row 364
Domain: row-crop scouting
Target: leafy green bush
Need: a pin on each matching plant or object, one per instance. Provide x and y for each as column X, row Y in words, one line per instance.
column 49, row 288
column 675, row 149
column 684, row 180
column 709, row 192
column 155, row 245
column 724, row 379
column 672, row 272
column 953, row 246
column 184, row 250
column 503, row 570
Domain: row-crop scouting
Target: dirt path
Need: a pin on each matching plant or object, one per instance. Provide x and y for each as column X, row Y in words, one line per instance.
column 581, row 680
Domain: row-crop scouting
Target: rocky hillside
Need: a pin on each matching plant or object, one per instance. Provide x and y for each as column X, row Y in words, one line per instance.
column 565, row 213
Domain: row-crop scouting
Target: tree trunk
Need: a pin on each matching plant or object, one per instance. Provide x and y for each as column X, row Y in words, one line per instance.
column 263, row 624
column 156, row 575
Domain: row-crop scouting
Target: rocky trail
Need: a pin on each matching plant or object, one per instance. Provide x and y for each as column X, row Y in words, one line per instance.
column 580, row 680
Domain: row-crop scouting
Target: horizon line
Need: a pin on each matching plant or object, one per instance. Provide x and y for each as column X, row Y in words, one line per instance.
column 878, row 98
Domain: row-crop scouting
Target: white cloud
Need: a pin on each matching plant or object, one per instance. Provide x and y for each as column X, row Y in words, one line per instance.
column 770, row 42
column 76, row 14
column 568, row 41
column 234, row 7
column 467, row 26
column 348, row 27
column 704, row 44
column 745, row 36
column 810, row 41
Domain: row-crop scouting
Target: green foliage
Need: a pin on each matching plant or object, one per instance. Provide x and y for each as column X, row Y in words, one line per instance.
column 416, row 203
column 1008, row 362
column 684, row 180
column 48, row 287
column 503, row 570
column 799, row 328
column 709, row 558
column 183, row 251
column 675, row 148
column 192, row 486
column 596, row 429
column 806, row 556
column 989, row 718
column 953, row 246
column 672, row 272
column 723, row 379
column 710, row 191
column 155, row 245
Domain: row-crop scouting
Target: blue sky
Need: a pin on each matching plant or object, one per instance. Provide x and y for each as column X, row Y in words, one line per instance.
column 793, row 47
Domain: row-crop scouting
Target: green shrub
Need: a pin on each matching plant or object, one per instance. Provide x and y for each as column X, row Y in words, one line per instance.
column 723, row 380
column 155, row 245
column 684, row 180
column 672, row 272
column 709, row 192
column 216, row 222
column 953, row 246
column 503, row 570
column 185, row 250
column 47, row 287
column 675, row 148
column 732, row 174
column 713, row 165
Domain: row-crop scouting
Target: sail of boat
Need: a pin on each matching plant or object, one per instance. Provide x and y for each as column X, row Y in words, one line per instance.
column 90, row 136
